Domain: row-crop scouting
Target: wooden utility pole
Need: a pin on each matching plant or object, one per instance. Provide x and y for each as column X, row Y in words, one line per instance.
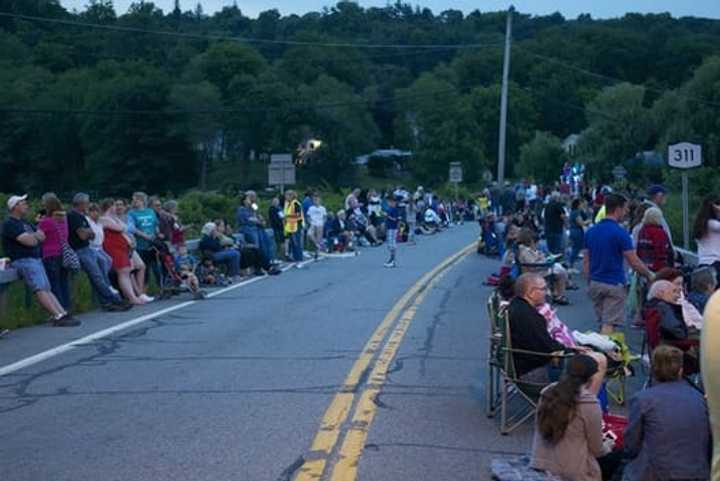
column 504, row 99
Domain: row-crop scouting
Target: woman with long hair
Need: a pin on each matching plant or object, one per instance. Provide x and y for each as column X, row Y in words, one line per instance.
column 55, row 226
column 568, row 436
column 117, row 245
column 706, row 231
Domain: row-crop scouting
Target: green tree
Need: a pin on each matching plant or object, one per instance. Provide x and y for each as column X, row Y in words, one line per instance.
column 542, row 158
column 619, row 126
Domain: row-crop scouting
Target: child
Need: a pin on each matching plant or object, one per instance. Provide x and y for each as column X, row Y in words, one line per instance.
column 185, row 265
column 317, row 215
column 391, row 224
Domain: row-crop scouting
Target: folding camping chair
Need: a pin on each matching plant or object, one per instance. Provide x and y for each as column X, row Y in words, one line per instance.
column 512, row 387
column 492, row 389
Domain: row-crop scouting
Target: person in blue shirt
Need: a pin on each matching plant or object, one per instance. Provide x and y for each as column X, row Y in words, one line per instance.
column 607, row 246
column 146, row 228
column 392, row 221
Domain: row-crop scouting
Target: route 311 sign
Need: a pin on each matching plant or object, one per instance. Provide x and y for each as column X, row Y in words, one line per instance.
column 684, row 155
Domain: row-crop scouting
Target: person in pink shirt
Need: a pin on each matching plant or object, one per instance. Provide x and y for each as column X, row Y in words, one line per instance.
column 54, row 224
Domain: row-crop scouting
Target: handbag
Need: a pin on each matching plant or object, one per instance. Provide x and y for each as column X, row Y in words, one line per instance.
column 70, row 259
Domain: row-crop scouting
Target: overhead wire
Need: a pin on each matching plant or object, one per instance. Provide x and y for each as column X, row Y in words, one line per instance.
column 249, row 40
column 608, row 78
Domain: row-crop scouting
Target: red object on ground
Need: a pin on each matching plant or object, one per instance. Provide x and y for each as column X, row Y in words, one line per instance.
column 616, row 425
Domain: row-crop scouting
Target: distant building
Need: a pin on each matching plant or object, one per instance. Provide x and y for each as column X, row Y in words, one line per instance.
column 396, row 155
column 648, row 158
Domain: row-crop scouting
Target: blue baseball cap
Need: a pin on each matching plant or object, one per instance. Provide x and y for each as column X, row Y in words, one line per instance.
column 656, row 189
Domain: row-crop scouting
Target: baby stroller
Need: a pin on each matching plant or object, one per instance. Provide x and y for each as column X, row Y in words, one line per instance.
column 172, row 283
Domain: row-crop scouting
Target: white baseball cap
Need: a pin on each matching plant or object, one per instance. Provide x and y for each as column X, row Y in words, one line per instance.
column 15, row 200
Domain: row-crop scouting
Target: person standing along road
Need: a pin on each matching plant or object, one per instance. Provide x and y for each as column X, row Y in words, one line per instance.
column 21, row 243
column 294, row 221
column 555, row 224
column 251, row 224
column 137, row 266
column 146, row 231
column 578, row 222
column 392, row 221
column 656, row 198
column 607, row 246
column 706, row 231
column 81, row 234
column 96, row 244
column 55, row 225
column 117, row 243
column 653, row 244
column 317, row 214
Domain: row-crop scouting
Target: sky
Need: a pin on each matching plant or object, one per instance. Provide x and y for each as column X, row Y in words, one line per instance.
column 569, row 8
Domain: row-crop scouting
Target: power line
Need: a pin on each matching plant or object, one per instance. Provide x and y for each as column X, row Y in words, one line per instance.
column 196, row 36
column 613, row 79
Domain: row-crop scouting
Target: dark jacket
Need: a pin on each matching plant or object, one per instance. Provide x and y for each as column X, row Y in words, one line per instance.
column 528, row 331
column 668, row 434
column 672, row 325
column 210, row 244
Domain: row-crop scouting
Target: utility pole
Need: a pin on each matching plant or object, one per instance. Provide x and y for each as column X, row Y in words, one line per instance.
column 504, row 99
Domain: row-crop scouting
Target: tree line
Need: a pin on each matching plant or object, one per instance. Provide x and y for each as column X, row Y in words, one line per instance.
column 147, row 99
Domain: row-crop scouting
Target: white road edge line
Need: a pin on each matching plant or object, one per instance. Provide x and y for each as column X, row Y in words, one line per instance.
column 56, row 351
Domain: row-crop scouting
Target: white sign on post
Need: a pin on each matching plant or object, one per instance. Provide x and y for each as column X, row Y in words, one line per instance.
column 456, row 172
column 685, row 155
column 281, row 170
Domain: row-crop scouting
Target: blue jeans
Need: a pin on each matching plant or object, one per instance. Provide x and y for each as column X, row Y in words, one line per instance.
column 577, row 238
column 256, row 235
column 59, row 278
column 229, row 257
column 95, row 269
column 296, row 247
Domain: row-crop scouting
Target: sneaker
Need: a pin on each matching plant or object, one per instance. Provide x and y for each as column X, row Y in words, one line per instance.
column 66, row 320
column 146, row 298
column 114, row 291
column 4, row 332
column 390, row 264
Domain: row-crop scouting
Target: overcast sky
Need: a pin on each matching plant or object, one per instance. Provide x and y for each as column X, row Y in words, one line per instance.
column 569, row 8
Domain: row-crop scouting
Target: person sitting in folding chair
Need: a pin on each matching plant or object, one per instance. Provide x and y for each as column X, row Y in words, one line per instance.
column 529, row 332
column 531, row 259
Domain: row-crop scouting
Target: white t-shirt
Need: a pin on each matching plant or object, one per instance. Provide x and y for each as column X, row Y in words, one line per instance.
column 709, row 246
column 97, row 242
column 317, row 215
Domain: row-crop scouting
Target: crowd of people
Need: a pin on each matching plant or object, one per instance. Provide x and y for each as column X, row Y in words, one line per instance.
column 636, row 278
column 120, row 245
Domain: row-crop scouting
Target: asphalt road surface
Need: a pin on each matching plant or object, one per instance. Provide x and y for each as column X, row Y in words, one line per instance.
column 342, row 370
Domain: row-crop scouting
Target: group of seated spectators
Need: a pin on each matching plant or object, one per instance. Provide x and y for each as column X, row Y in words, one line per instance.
column 661, row 296
column 570, row 440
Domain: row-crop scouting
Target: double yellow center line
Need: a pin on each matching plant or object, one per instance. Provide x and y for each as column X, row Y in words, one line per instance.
column 332, row 424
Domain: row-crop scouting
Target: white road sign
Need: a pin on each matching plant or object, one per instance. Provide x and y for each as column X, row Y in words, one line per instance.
column 684, row 155
column 456, row 172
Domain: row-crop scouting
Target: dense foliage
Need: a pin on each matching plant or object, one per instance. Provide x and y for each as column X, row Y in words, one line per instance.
column 113, row 111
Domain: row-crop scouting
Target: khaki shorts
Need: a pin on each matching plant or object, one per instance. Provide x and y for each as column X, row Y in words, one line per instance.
column 609, row 302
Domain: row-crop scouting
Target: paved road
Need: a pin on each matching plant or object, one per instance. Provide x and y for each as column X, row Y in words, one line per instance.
column 238, row 386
